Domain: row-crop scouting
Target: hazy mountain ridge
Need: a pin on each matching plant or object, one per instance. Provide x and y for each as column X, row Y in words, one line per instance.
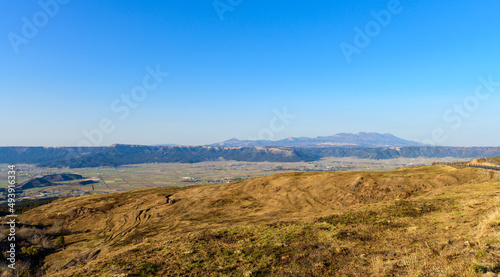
column 116, row 155
column 135, row 154
column 36, row 154
column 343, row 139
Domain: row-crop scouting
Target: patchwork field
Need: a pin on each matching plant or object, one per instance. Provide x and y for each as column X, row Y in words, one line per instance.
column 129, row 177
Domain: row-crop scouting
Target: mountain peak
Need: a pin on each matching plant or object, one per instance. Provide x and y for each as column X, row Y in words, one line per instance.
column 361, row 139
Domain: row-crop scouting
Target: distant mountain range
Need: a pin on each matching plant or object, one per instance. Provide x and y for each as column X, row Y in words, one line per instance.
column 117, row 155
column 362, row 145
column 338, row 140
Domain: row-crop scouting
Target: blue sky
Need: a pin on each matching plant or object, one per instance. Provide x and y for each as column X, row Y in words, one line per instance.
column 227, row 78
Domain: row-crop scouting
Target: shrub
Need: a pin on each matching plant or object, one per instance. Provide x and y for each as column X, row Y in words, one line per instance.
column 60, row 241
column 30, row 251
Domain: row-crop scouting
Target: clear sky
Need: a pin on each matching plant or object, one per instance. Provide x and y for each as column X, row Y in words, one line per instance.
column 74, row 67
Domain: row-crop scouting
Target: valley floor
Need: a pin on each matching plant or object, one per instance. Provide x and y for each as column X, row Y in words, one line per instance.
column 130, row 177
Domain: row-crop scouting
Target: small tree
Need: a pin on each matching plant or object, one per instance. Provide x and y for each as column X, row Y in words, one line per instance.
column 60, row 241
column 29, row 251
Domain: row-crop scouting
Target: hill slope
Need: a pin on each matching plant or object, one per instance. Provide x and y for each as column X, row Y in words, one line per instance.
column 48, row 180
column 221, row 229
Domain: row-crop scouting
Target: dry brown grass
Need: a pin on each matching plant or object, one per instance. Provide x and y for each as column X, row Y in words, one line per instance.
column 424, row 221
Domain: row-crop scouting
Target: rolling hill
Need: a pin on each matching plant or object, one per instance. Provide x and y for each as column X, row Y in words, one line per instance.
column 429, row 221
column 48, row 180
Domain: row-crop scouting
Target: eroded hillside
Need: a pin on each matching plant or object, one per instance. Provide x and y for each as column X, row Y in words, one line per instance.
column 294, row 224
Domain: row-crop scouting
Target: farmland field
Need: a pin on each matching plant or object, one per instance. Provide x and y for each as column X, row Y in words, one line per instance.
column 130, row 177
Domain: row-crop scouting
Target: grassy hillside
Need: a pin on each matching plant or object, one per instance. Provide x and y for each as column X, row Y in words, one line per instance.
column 423, row 221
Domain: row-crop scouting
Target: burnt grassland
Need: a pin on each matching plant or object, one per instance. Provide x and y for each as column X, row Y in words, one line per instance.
column 422, row 221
